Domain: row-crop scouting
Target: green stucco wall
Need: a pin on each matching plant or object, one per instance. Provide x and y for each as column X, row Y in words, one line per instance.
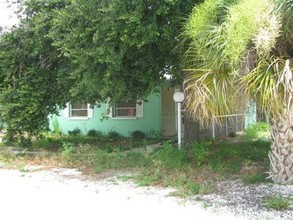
column 151, row 120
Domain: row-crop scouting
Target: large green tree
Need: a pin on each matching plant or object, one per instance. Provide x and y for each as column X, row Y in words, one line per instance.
column 120, row 49
column 240, row 50
column 33, row 74
column 85, row 50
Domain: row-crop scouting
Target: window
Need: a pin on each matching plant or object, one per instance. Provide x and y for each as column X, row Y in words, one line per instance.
column 78, row 111
column 124, row 109
column 130, row 109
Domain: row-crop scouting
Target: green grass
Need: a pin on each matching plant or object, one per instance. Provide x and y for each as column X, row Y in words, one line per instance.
column 260, row 130
column 277, row 202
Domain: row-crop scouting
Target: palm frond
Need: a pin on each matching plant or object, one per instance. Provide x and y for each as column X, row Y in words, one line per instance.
column 271, row 83
column 210, row 93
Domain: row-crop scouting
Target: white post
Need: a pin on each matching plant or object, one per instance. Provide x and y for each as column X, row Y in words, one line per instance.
column 226, row 126
column 178, row 98
column 213, row 128
column 236, row 124
column 179, row 125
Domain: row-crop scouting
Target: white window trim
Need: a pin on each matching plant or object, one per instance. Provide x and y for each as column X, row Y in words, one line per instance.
column 67, row 113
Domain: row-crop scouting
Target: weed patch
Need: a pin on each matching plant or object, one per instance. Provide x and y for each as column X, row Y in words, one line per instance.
column 170, row 157
column 277, row 203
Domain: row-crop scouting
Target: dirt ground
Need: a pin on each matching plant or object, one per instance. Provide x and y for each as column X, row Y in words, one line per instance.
column 35, row 194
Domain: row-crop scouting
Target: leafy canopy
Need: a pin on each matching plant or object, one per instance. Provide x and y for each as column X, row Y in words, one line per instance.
column 87, row 51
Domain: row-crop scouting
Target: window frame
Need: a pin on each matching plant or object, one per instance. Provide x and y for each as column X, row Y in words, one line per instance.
column 138, row 111
column 68, row 112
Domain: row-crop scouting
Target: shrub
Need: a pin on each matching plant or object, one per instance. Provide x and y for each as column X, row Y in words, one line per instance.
column 137, row 135
column 113, row 135
column 232, row 134
column 74, row 132
column 157, row 133
column 94, row 133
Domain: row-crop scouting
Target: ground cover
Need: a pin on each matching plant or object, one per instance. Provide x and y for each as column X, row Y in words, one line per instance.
column 196, row 169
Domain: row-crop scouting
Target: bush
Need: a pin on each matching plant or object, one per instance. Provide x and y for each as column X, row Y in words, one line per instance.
column 232, row 134
column 137, row 135
column 74, row 132
column 113, row 135
column 94, row 133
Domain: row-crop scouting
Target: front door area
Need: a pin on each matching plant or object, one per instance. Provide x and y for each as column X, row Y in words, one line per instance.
column 169, row 112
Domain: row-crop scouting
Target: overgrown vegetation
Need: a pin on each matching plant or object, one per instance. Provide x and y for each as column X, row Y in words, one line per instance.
column 192, row 170
column 257, row 131
column 238, row 51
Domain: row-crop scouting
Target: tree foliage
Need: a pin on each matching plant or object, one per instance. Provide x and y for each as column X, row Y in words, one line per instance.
column 87, row 51
column 120, row 49
column 33, row 79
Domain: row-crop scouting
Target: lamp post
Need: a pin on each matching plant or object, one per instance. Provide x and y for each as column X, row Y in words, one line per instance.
column 178, row 98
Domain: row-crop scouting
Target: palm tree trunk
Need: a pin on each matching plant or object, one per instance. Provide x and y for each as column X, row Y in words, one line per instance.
column 281, row 154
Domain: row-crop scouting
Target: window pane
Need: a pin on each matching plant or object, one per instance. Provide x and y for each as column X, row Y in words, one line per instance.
column 78, row 106
column 79, row 113
column 79, row 110
column 125, row 109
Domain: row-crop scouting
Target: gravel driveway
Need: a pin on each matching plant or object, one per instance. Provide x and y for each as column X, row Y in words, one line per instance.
column 67, row 194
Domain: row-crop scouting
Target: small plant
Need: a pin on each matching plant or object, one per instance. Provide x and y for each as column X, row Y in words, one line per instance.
column 277, row 203
column 23, row 169
column 137, row 135
column 68, row 150
column 170, row 157
column 56, row 126
column 157, row 133
column 75, row 132
column 200, row 151
column 94, row 133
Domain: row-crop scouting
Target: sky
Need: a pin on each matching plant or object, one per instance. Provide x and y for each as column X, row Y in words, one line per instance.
column 7, row 17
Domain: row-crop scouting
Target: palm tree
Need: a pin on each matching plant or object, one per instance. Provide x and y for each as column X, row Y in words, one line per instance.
column 239, row 50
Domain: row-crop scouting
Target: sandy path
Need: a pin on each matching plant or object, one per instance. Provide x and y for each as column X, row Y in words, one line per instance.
column 66, row 194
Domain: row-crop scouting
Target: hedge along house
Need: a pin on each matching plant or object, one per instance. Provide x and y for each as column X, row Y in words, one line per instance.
column 156, row 116
column 153, row 117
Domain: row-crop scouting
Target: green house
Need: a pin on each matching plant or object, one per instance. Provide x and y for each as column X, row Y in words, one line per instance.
column 152, row 116
column 156, row 115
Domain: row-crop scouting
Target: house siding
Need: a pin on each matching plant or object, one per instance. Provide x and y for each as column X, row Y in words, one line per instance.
column 150, row 120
